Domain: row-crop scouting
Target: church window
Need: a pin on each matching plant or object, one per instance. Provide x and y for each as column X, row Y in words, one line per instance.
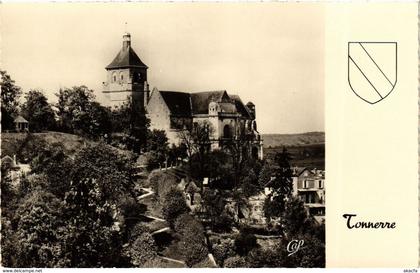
column 121, row 76
column 226, row 131
column 114, row 77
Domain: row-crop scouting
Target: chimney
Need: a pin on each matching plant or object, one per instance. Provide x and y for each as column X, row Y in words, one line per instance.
column 126, row 40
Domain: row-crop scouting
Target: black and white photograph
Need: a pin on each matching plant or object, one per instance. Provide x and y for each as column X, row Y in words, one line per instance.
column 162, row 135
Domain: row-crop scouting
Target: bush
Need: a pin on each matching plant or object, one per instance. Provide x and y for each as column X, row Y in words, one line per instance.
column 142, row 249
column 192, row 243
column 234, row 262
column 259, row 257
column 223, row 250
column 245, row 242
column 182, row 222
column 173, row 206
column 162, row 183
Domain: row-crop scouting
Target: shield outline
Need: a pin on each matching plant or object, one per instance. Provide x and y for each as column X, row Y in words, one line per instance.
column 348, row 68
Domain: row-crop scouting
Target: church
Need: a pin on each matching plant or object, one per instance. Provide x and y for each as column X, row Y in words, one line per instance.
column 174, row 111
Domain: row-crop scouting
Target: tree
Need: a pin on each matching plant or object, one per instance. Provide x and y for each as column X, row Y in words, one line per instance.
column 213, row 207
column 99, row 124
column 73, row 108
column 52, row 161
column 295, row 219
column 10, row 94
column 245, row 242
column 38, row 111
column 40, row 231
column 130, row 119
column 99, row 180
column 173, row 206
column 274, row 204
column 197, row 143
column 192, row 243
column 157, row 144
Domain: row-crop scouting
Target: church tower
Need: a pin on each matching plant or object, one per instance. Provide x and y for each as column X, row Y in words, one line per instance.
column 126, row 77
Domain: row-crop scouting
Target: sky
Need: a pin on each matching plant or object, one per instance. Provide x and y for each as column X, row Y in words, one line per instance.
column 269, row 53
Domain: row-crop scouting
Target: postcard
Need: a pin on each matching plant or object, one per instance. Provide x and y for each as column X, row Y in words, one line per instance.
column 209, row 135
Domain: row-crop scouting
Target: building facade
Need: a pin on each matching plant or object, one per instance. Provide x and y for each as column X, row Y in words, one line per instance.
column 175, row 112
column 126, row 77
column 309, row 186
column 228, row 117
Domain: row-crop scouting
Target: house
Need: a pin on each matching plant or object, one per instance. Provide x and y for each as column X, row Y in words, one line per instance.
column 309, row 186
column 175, row 112
column 15, row 170
column 21, row 124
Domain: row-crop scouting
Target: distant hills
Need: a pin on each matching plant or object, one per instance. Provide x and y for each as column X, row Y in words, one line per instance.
column 278, row 140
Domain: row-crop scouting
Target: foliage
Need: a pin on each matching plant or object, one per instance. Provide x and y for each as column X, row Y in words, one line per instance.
column 182, row 222
column 281, row 186
column 295, row 218
column 235, row 262
column 142, row 249
column 197, row 143
column 79, row 113
column 267, row 171
column 106, row 170
column 52, row 161
column 162, row 183
column 213, row 207
column 192, row 243
column 38, row 112
column 40, row 231
column 245, row 242
column 223, row 250
column 310, row 255
column 173, row 205
column 260, row 257
column 98, row 181
column 130, row 119
column 157, row 145
column 10, row 94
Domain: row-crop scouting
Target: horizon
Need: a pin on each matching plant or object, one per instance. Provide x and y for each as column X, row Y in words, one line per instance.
column 247, row 49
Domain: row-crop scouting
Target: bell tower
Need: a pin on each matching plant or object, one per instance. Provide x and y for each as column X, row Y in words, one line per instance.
column 126, row 77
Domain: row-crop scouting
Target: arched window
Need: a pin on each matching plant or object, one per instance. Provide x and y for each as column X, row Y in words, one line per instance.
column 114, row 77
column 226, row 131
column 121, row 76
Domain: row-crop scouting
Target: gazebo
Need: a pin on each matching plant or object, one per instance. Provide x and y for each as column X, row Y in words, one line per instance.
column 21, row 124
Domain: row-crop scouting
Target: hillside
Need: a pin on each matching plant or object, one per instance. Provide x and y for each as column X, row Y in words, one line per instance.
column 279, row 140
column 10, row 142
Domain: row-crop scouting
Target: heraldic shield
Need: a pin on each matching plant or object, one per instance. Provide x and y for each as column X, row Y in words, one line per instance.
column 372, row 69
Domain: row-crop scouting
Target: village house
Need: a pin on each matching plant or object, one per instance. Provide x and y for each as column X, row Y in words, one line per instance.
column 15, row 170
column 309, row 186
column 174, row 111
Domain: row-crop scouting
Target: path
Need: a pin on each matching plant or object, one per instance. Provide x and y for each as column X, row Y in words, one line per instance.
column 172, row 260
column 161, row 230
column 149, row 192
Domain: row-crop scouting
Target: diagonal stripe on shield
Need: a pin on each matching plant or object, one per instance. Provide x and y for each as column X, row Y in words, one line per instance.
column 372, row 69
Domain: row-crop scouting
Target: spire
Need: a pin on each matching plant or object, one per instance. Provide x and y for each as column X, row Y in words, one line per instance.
column 126, row 57
column 126, row 40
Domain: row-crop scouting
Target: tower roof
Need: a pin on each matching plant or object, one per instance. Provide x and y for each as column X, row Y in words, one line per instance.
column 126, row 57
